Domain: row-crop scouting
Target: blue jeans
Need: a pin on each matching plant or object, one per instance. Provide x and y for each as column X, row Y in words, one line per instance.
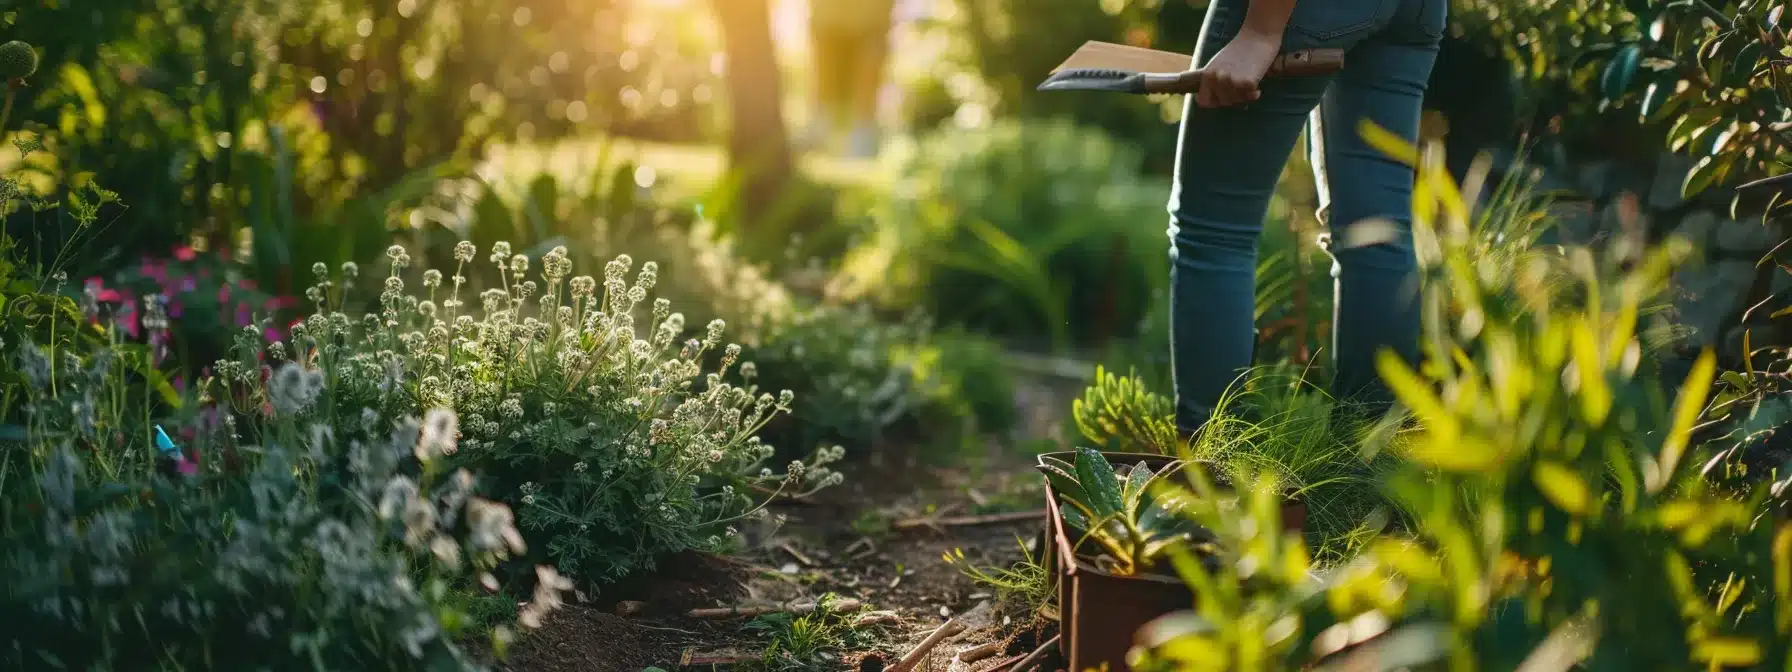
column 1228, row 162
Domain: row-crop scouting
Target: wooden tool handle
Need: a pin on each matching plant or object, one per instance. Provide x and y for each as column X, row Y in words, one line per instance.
column 1307, row 62
column 1292, row 64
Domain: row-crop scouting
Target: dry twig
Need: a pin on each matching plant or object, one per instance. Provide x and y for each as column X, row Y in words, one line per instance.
column 787, row 548
column 916, row 655
column 963, row 521
column 692, row 658
column 792, row 609
column 870, row 618
column 1036, row 656
column 976, row 653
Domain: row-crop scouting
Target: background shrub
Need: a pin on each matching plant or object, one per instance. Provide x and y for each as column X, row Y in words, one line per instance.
column 1044, row 233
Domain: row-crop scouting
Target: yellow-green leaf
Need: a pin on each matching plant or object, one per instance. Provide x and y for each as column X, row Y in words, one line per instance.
column 1385, row 141
column 1417, row 395
column 1782, row 576
column 1727, row 651
column 1466, row 453
column 1678, row 514
column 1594, row 394
column 1564, row 488
column 1686, row 412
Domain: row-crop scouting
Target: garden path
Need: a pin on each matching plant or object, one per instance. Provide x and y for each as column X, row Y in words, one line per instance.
column 880, row 538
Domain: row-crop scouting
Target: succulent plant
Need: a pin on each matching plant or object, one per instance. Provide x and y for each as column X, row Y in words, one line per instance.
column 17, row 60
column 1116, row 509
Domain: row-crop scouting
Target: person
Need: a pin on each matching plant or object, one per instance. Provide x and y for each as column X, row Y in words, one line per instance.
column 850, row 43
column 1236, row 135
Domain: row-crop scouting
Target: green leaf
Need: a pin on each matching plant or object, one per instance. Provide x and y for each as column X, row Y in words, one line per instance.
column 1074, row 519
column 1700, row 177
column 1686, row 413
column 1136, row 481
column 1063, row 482
column 1743, row 68
column 1097, row 477
column 1621, row 71
column 1564, row 488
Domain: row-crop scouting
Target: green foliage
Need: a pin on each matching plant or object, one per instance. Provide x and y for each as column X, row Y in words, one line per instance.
column 609, row 435
column 1708, row 80
column 328, row 542
column 852, row 367
column 997, row 52
column 1026, row 583
column 810, row 642
column 1123, row 415
column 262, row 116
column 858, row 376
column 1025, row 230
column 1555, row 493
column 1117, row 509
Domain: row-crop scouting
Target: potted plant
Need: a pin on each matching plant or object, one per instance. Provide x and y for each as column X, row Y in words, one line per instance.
column 1108, row 528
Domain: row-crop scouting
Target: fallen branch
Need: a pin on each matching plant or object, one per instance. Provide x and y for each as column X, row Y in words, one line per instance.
column 755, row 611
column 976, row 653
column 964, row 521
column 914, row 656
column 1036, row 656
column 787, row 548
column 691, row 658
column 863, row 541
column 870, row 618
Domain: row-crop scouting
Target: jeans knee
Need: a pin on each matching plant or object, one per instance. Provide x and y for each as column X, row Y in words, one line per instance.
column 1210, row 241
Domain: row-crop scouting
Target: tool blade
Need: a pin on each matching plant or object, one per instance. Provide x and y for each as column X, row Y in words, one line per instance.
column 1115, row 81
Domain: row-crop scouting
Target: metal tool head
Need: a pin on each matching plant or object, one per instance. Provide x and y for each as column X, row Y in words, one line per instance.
column 1095, row 79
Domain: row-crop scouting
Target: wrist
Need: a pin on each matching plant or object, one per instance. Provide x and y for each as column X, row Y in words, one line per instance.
column 1261, row 33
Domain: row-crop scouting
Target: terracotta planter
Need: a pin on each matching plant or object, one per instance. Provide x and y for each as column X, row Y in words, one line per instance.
column 1098, row 611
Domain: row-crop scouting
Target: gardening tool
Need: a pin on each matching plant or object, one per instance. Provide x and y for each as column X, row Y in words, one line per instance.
column 1117, row 68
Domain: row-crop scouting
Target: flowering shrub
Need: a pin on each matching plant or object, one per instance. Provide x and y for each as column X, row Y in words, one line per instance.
column 580, row 403
column 332, row 544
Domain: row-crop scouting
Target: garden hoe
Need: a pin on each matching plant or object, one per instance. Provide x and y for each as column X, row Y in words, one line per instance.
column 1117, row 68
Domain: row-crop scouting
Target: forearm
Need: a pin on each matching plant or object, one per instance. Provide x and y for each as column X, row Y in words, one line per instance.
column 1270, row 17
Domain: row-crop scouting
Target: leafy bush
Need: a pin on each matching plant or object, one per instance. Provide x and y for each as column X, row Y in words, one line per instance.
column 857, row 375
column 609, row 435
column 1027, row 230
column 1702, row 79
column 1556, row 496
column 334, row 543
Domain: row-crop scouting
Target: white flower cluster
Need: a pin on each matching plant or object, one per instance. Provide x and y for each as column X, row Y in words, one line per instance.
column 586, row 385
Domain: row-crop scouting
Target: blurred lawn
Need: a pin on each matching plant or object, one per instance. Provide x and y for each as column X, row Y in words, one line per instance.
column 681, row 170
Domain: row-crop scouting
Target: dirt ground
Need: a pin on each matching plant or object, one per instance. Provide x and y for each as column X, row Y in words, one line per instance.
column 879, row 538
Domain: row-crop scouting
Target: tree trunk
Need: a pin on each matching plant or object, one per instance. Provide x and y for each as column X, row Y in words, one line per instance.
column 758, row 145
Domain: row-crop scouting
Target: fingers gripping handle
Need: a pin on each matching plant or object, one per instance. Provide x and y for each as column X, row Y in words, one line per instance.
column 1305, row 62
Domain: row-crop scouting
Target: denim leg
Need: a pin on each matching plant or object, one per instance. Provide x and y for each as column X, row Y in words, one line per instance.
column 1228, row 162
column 1370, row 215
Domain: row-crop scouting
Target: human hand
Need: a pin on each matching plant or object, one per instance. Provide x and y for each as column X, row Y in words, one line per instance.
column 1232, row 76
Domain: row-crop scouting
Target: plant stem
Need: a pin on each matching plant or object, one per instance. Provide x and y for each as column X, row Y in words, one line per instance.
column 6, row 108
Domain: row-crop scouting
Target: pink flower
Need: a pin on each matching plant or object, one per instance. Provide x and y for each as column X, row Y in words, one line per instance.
column 185, row 253
column 128, row 315
column 186, row 467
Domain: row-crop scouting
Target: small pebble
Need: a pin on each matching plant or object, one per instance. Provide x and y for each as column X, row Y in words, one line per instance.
column 788, row 568
column 945, row 611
